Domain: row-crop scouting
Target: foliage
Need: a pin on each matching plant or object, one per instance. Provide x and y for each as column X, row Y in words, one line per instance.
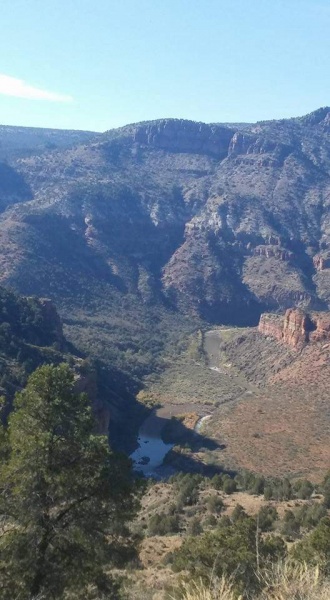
column 188, row 489
column 162, row 524
column 65, row 496
column 251, row 483
column 195, row 527
column 29, row 336
column 229, row 485
column 303, row 489
column 238, row 513
column 326, row 490
column 309, row 516
column 278, row 489
column 315, row 547
column 229, row 551
column 216, row 482
column 267, row 516
column 215, row 504
column 290, row 526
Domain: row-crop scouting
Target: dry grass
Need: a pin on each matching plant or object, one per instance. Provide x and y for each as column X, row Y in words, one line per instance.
column 223, row 590
column 295, row 582
column 284, row 582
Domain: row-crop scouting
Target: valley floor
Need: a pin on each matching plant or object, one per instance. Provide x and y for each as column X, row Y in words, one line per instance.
column 268, row 404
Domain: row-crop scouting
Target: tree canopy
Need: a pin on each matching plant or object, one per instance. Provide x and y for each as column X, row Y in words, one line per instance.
column 65, row 497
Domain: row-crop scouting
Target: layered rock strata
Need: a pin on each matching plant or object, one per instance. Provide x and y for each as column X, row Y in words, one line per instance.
column 296, row 328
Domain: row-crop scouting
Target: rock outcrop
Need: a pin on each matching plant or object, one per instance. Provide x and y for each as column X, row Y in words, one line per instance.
column 321, row 262
column 296, row 328
column 273, row 251
column 179, row 135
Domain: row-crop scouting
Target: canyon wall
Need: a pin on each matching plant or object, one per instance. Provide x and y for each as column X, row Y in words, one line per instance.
column 297, row 327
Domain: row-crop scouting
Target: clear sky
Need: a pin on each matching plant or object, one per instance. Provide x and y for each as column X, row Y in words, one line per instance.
column 98, row 64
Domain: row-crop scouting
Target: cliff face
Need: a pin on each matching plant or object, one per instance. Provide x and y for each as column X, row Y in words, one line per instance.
column 180, row 135
column 296, row 328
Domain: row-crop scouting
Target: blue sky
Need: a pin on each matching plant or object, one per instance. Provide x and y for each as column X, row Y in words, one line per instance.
column 99, row 64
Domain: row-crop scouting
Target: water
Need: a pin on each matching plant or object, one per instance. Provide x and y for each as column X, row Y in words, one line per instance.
column 150, row 454
column 152, row 450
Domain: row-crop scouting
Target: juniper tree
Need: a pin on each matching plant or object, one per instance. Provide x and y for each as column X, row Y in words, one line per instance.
column 65, row 497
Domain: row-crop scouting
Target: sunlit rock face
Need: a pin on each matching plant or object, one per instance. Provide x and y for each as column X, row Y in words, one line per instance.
column 296, row 328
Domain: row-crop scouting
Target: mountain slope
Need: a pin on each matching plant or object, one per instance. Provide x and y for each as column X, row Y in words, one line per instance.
column 169, row 218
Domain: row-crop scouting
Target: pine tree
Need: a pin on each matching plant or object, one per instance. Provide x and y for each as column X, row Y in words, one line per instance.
column 65, row 497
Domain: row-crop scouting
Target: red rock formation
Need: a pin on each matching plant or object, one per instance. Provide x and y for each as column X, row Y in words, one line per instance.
column 322, row 331
column 297, row 327
column 271, row 325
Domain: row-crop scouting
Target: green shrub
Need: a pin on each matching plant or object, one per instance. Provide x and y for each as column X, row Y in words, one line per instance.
column 267, row 516
column 162, row 524
column 215, row 504
column 229, row 486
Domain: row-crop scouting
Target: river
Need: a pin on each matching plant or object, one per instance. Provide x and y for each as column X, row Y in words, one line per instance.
column 149, row 456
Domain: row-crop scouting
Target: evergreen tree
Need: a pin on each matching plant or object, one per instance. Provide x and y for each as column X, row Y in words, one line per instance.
column 65, row 497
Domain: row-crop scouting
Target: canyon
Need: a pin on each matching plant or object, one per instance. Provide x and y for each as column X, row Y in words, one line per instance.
column 147, row 236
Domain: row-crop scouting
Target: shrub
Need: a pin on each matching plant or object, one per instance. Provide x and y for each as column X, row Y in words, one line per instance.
column 188, row 488
column 162, row 524
column 266, row 517
column 238, row 513
column 216, row 482
column 210, row 521
column 229, row 486
column 195, row 527
column 284, row 581
column 290, row 526
column 219, row 552
column 303, row 489
column 215, row 504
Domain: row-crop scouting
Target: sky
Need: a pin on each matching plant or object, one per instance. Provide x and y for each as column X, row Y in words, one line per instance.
column 99, row 64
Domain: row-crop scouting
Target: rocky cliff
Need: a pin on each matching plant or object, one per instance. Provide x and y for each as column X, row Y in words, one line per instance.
column 296, row 328
column 175, row 135
column 167, row 220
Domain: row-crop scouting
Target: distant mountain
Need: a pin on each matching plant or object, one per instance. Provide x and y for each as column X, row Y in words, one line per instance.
column 145, row 229
column 23, row 141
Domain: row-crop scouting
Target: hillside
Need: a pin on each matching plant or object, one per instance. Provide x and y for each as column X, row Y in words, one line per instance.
column 31, row 334
column 24, row 141
column 232, row 221
column 148, row 235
